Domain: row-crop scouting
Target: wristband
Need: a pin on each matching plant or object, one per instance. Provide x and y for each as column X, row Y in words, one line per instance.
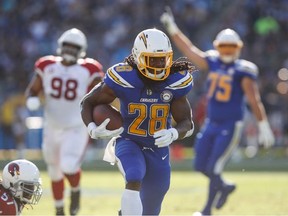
column 33, row 103
column 91, row 126
column 175, row 133
column 172, row 28
column 190, row 132
column 263, row 124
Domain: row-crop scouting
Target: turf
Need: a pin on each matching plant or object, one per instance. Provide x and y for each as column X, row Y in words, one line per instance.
column 257, row 193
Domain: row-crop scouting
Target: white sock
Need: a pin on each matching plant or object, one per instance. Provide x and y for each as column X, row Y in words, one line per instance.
column 59, row 203
column 131, row 203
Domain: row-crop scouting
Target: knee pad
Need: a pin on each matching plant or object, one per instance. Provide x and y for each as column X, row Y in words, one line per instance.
column 69, row 168
column 54, row 173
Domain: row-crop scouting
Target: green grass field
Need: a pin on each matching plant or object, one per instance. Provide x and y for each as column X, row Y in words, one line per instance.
column 257, row 193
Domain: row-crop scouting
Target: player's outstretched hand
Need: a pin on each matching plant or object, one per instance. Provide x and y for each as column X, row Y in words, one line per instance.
column 100, row 132
column 167, row 19
column 266, row 136
column 165, row 137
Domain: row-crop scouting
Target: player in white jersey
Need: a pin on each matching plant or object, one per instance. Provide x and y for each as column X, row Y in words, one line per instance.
column 64, row 80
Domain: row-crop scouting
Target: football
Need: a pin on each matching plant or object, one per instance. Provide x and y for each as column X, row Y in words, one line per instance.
column 104, row 111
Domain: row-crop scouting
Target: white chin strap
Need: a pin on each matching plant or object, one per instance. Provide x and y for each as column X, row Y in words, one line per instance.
column 69, row 58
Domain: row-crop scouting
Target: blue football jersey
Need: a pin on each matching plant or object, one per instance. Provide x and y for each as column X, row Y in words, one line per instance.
column 225, row 94
column 145, row 108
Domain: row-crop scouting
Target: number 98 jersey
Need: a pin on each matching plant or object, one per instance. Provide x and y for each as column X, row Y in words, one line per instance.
column 145, row 106
column 64, row 87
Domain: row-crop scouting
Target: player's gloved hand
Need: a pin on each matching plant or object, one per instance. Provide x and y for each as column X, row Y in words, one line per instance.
column 165, row 137
column 266, row 136
column 33, row 103
column 168, row 21
column 100, row 132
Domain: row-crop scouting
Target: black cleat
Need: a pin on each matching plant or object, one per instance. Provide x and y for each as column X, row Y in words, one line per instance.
column 227, row 189
column 75, row 202
column 60, row 211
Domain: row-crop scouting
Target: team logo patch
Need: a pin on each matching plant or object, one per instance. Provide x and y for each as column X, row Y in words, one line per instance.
column 14, row 169
column 166, row 96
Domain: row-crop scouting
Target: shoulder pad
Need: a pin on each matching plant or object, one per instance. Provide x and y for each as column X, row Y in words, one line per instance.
column 90, row 62
column 212, row 54
column 246, row 66
column 183, row 82
column 122, row 67
column 114, row 73
column 91, row 65
column 42, row 62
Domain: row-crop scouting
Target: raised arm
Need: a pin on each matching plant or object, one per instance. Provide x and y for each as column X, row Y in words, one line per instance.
column 193, row 53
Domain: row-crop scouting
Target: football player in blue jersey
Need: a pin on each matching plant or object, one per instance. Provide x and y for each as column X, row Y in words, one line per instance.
column 152, row 89
column 229, row 79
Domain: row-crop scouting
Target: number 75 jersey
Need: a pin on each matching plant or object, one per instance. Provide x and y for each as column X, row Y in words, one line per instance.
column 145, row 105
column 64, row 87
column 224, row 82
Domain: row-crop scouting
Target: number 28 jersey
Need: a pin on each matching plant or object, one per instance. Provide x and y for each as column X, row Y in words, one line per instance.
column 145, row 109
column 225, row 93
column 64, row 87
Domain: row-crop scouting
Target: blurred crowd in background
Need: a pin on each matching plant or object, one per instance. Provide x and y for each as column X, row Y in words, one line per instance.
column 30, row 29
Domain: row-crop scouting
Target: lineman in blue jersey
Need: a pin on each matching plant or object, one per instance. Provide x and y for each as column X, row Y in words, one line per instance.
column 151, row 89
column 229, row 80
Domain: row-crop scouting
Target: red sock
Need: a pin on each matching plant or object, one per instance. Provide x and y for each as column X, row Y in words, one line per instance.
column 58, row 189
column 74, row 179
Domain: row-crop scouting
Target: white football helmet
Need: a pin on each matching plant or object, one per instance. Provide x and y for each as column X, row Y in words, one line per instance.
column 228, row 38
column 22, row 178
column 73, row 37
column 152, row 43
